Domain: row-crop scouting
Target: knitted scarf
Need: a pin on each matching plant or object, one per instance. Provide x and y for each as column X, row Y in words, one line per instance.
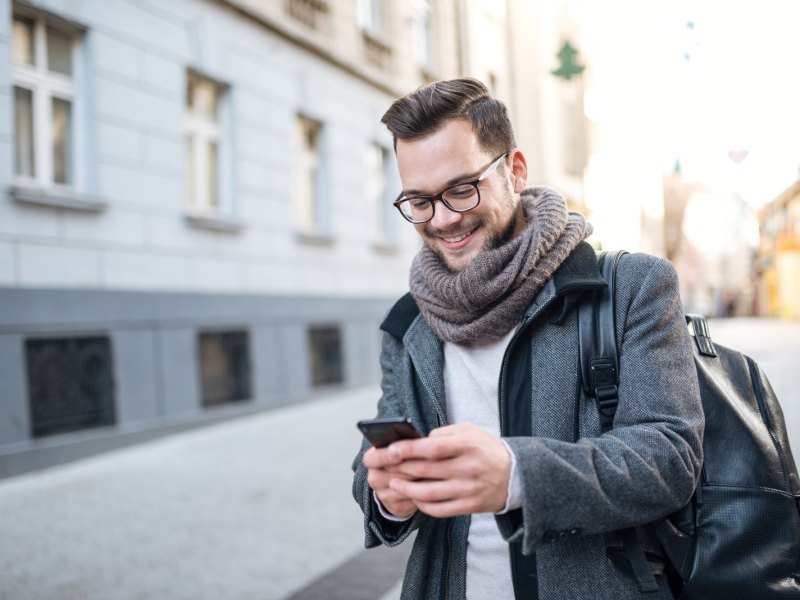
column 486, row 300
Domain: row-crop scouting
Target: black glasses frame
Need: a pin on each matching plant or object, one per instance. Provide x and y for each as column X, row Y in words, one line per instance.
column 432, row 198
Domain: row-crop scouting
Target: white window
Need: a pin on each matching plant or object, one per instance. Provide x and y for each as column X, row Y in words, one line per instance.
column 203, row 140
column 423, row 33
column 45, row 95
column 308, row 189
column 377, row 170
column 369, row 17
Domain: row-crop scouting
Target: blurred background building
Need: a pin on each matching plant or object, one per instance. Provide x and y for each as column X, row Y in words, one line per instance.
column 196, row 218
column 196, row 201
column 778, row 266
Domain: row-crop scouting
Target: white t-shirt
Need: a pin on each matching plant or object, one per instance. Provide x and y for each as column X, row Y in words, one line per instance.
column 471, row 376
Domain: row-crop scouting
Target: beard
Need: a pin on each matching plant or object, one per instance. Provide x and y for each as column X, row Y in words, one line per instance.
column 494, row 239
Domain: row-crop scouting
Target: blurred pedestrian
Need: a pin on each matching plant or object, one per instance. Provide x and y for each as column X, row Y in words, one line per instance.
column 514, row 492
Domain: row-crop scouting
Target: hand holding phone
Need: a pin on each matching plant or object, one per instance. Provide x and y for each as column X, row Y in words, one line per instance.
column 382, row 432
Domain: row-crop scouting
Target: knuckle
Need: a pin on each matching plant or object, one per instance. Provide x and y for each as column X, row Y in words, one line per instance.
column 472, row 469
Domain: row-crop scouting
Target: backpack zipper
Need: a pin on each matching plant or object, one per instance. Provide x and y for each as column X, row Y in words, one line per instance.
column 762, row 407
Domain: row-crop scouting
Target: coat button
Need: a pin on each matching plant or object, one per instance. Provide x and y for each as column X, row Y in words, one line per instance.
column 549, row 537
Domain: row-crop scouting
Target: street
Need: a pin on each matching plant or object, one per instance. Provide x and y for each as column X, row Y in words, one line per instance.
column 254, row 508
column 775, row 346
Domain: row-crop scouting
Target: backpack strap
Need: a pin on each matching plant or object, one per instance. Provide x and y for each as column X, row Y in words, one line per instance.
column 598, row 342
column 600, row 375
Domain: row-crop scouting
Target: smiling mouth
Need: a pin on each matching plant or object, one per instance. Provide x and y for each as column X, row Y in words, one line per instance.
column 458, row 238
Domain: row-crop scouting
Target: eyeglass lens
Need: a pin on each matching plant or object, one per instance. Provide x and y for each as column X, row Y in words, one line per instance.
column 460, row 198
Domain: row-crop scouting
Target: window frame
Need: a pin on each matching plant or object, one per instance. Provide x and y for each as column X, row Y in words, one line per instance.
column 326, row 341
column 233, row 385
column 220, row 216
column 311, row 214
column 45, row 86
column 382, row 217
column 423, row 34
column 199, row 131
column 370, row 17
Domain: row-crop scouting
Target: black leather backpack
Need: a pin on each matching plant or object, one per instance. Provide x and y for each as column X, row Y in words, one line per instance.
column 739, row 536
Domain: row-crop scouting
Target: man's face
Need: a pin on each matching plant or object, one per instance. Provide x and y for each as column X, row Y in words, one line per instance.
column 447, row 156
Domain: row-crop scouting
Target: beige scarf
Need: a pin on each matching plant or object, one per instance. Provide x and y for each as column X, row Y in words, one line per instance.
column 484, row 301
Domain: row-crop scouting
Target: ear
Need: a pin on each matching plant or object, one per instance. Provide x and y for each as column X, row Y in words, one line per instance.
column 519, row 170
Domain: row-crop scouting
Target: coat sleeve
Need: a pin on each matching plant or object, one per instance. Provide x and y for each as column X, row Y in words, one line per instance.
column 379, row 530
column 647, row 465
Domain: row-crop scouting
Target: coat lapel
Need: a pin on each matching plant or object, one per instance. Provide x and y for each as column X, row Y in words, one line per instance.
column 425, row 350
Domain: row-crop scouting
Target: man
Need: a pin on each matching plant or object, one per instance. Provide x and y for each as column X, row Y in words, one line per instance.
column 515, row 493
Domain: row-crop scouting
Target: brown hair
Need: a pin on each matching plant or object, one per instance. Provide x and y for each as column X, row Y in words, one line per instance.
column 427, row 108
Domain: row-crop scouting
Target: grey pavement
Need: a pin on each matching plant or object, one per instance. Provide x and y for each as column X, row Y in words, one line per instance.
column 775, row 345
column 256, row 507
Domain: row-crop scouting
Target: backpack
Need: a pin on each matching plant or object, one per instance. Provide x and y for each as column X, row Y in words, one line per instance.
column 739, row 536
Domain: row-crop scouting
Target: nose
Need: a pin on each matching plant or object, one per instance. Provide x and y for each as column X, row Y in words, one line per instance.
column 444, row 218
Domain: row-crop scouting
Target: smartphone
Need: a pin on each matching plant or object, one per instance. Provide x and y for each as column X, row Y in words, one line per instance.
column 382, row 432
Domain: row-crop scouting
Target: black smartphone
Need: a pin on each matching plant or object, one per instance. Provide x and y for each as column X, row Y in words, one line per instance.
column 382, row 432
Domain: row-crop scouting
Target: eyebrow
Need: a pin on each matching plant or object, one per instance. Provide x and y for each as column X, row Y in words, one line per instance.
column 448, row 183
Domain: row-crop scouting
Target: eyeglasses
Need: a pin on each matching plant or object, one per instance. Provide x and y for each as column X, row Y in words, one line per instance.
column 459, row 197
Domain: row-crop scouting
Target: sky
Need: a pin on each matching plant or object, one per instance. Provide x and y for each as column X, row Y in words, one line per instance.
column 712, row 84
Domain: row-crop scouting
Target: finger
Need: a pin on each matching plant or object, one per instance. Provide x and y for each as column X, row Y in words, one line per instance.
column 432, row 491
column 427, row 469
column 440, row 507
column 451, row 508
column 378, row 479
column 429, row 448
column 378, row 458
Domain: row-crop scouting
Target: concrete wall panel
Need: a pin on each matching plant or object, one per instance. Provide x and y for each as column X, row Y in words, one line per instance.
column 178, row 371
column 135, row 375
column 15, row 421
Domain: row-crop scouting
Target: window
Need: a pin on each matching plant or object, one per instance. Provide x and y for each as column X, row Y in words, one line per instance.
column 326, row 355
column 308, row 189
column 45, row 97
column 423, row 34
column 203, row 141
column 369, row 17
column 382, row 214
column 70, row 385
column 224, row 367
column 371, row 20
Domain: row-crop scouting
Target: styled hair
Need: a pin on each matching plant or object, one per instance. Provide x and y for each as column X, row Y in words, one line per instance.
column 426, row 109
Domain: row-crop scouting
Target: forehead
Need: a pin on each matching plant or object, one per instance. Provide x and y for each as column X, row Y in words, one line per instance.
column 430, row 163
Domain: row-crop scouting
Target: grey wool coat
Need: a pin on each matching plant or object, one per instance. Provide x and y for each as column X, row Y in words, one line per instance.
column 578, row 486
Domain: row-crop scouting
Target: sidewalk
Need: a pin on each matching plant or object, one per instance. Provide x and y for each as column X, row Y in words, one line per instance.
column 775, row 345
column 252, row 508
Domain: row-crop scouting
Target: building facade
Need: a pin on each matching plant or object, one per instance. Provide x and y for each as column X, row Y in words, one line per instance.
column 778, row 263
column 196, row 203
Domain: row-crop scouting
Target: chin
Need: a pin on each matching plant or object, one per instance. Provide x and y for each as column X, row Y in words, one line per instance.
column 456, row 262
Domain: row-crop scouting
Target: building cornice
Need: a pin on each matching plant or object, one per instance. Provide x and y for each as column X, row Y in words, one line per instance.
column 264, row 18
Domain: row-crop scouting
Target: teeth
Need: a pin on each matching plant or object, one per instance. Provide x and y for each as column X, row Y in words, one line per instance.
column 454, row 240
